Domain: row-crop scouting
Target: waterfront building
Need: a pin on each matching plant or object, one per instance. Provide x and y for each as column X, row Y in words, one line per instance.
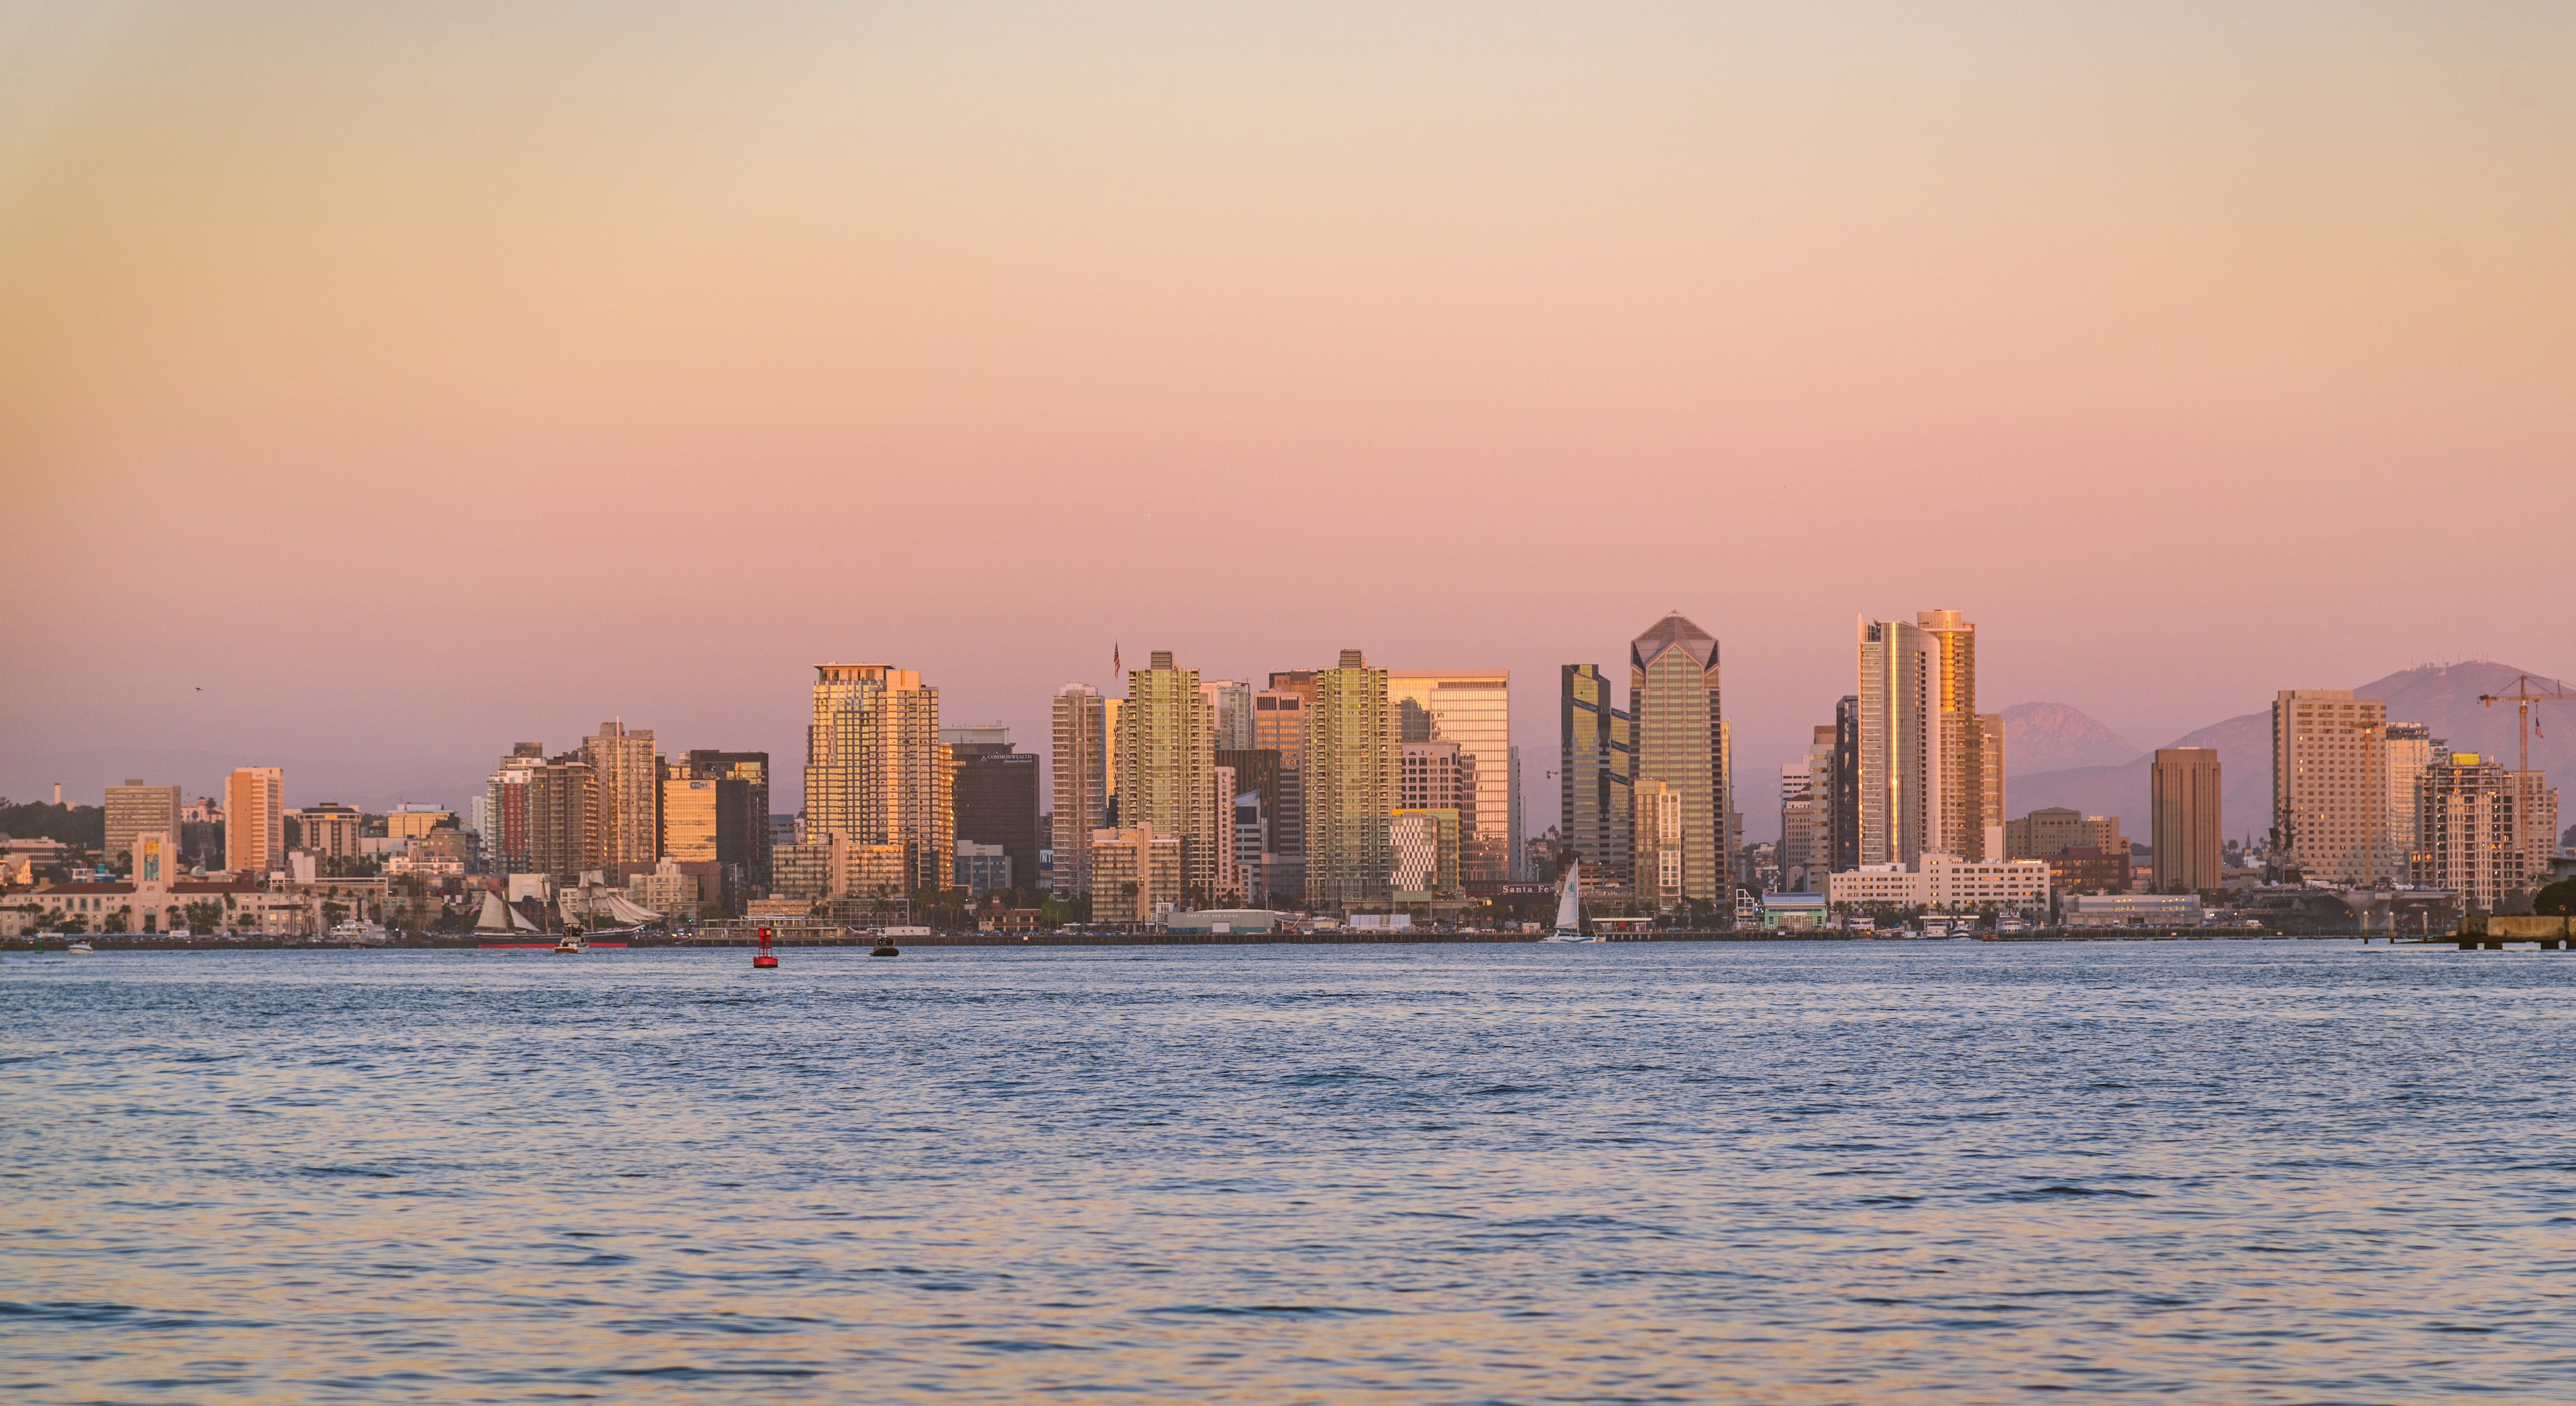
column 2130, row 910
column 1846, row 784
column 1166, row 761
column 875, row 773
column 328, row 831
column 1673, row 697
column 1350, row 785
column 1922, row 764
column 994, row 793
column 2183, row 783
column 746, row 830
column 136, row 809
column 1471, row 708
column 1596, row 771
column 2330, row 786
column 2411, row 749
column 1426, row 844
column 1990, row 732
column 1944, row 881
column 2466, row 818
column 627, row 773
column 255, row 819
column 544, row 813
column 1079, row 782
column 1136, row 874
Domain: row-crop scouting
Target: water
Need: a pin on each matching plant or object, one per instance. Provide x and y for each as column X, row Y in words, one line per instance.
column 2205, row 1172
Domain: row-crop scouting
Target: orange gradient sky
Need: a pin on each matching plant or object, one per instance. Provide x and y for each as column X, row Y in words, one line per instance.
column 418, row 380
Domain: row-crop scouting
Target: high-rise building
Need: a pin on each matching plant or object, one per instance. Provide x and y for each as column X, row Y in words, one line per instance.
column 1259, row 780
column 1136, row 874
column 1959, row 802
column 1923, row 781
column 875, row 773
column 2412, row 748
column 993, row 793
column 629, row 795
column 2085, row 853
column 1846, row 802
column 1350, row 785
column 327, row 831
column 1166, row 749
column 2185, row 829
column 1798, row 826
column 1596, row 771
column 1425, row 845
column 1433, row 776
column 1473, row 709
column 746, row 833
column 1231, row 701
column 1519, row 872
column 1079, row 782
column 136, row 809
column 1673, row 696
column 1228, row 887
column 2330, row 786
column 255, row 819
column 544, row 814
column 1279, row 725
column 2470, row 823
column 1113, row 712
column 1990, row 730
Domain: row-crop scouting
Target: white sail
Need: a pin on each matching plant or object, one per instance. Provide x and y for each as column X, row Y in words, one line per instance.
column 501, row 917
column 1569, row 901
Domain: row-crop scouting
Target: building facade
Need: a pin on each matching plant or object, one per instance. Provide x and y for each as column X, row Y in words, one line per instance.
column 627, row 773
column 1166, row 762
column 2184, row 788
column 544, row 813
column 1674, row 699
column 1471, row 708
column 1350, row 785
column 255, row 819
column 2412, row 749
column 994, row 791
column 1136, row 874
column 136, row 809
column 1079, row 784
column 2330, row 786
column 1596, row 772
column 1923, row 783
column 875, row 773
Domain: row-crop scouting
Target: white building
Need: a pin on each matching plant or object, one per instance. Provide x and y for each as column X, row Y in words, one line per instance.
column 1944, row 881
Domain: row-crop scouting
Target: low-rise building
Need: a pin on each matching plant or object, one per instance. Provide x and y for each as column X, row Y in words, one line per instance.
column 2130, row 910
column 1943, row 881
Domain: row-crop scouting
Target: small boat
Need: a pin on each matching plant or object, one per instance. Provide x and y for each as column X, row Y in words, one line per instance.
column 885, row 947
column 1569, row 910
column 357, row 932
column 80, row 949
column 571, row 943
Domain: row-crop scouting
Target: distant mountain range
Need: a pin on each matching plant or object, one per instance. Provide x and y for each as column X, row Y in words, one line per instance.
column 2444, row 696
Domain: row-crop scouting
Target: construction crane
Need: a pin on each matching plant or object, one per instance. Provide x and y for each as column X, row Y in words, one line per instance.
column 2522, row 698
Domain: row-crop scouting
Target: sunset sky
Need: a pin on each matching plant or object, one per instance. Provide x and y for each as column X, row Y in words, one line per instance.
column 384, row 385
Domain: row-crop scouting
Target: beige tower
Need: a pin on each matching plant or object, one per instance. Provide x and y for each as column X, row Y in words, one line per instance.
column 875, row 773
column 1959, row 772
column 2185, row 830
column 1472, row 709
column 1166, row 761
column 136, row 809
column 2330, row 786
column 1079, row 783
column 1990, row 731
column 1673, row 704
column 1350, row 785
column 255, row 819
column 628, row 773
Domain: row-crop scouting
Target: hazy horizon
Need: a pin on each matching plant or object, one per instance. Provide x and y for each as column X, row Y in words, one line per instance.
column 397, row 384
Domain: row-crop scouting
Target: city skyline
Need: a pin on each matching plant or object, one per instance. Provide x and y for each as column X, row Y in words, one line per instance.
column 462, row 311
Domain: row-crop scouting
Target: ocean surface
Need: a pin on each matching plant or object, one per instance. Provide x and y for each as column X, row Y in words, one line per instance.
column 2211, row 1171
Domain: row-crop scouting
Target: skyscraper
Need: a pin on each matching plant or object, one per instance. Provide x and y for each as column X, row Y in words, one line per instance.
column 1990, row 727
column 1279, row 725
column 1166, row 750
column 1673, row 695
column 1596, row 771
column 1472, row 708
column 255, row 819
column 2185, row 828
column 1846, row 785
column 1258, row 842
column 1519, row 871
column 1079, row 783
column 1923, row 783
column 993, row 794
column 1350, row 776
column 544, row 814
column 629, row 776
column 2467, row 821
column 136, row 809
column 2412, row 749
column 1232, row 702
column 2330, row 786
column 745, row 833
column 875, row 773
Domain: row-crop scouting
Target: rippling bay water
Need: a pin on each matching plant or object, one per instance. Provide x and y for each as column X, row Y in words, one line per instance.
column 1803, row 1172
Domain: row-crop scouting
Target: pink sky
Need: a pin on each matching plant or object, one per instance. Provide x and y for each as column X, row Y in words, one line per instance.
column 416, row 381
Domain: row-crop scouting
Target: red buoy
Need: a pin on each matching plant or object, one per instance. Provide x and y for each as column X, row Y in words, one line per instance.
column 767, row 958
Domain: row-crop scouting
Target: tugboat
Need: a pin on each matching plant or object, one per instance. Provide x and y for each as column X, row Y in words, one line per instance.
column 885, row 947
column 570, row 942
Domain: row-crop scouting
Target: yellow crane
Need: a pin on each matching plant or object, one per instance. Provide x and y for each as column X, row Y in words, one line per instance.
column 2522, row 698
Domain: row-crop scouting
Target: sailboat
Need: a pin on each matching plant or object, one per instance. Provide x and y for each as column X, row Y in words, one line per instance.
column 1569, row 910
